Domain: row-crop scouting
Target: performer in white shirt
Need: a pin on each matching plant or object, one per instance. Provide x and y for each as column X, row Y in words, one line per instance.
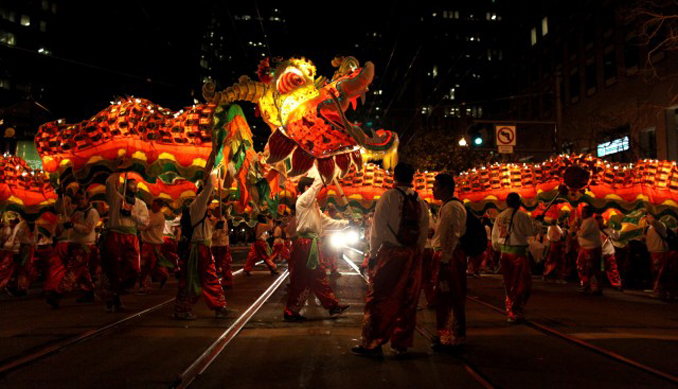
column 663, row 260
column 260, row 250
column 120, row 261
column 452, row 265
column 429, row 268
column 154, row 265
column 511, row 230
column 221, row 251
column 170, row 241
column 82, row 240
column 308, row 274
column 198, row 275
column 589, row 260
column 555, row 260
column 26, row 237
column 395, row 262
column 280, row 249
column 608, row 235
column 9, row 248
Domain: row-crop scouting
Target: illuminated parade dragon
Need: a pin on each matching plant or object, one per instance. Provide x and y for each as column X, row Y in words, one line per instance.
column 167, row 151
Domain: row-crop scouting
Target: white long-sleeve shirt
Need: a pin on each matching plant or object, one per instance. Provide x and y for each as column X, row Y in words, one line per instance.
column 451, row 226
column 588, row 235
column 220, row 236
column 387, row 217
column 654, row 242
column 12, row 243
column 608, row 235
column 309, row 217
column 197, row 209
column 84, row 223
column 153, row 232
column 523, row 226
column 139, row 212
column 554, row 234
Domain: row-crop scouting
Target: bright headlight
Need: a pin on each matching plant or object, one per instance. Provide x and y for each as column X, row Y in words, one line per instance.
column 337, row 239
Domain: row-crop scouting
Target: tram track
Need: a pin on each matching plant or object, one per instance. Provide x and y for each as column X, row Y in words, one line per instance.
column 582, row 343
column 26, row 359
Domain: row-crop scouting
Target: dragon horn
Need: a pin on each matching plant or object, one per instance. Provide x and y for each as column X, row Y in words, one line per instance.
column 244, row 90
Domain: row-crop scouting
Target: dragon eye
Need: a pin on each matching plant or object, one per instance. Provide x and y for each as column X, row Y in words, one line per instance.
column 290, row 81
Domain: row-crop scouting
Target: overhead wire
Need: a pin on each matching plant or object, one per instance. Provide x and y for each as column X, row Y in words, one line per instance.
column 261, row 24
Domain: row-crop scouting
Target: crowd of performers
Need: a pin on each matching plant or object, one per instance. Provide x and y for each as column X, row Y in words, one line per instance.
column 410, row 250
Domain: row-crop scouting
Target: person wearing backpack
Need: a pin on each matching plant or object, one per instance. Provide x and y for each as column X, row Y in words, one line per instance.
column 307, row 272
column 399, row 233
column 197, row 274
column 510, row 232
column 450, row 255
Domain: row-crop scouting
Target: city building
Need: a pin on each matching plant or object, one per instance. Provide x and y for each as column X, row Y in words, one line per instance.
column 609, row 84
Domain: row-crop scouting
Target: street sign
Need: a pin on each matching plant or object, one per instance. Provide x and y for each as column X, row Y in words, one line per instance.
column 505, row 135
column 505, row 149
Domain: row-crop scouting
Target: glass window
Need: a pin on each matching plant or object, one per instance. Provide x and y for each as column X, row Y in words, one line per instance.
column 45, row 5
column 43, row 26
column 591, row 76
column 533, row 36
column 544, row 26
column 631, row 53
column 609, row 65
column 25, row 20
column 7, row 38
column 574, row 85
column 54, row 8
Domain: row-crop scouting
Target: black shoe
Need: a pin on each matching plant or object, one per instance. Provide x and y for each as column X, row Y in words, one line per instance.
column 247, row 273
column 295, row 317
column 338, row 310
column 88, row 297
column 399, row 353
column 20, row 293
column 368, row 352
column 598, row 292
column 274, row 272
column 163, row 282
column 117, row 303
column 53, row 300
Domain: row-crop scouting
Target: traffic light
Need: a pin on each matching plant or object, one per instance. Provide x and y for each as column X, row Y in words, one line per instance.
column 478, row 141
column 478, row 134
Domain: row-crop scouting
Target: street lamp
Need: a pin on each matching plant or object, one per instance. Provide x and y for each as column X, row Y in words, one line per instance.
column 462, row 142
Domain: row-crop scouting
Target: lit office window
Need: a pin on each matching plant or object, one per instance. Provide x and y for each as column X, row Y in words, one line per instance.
column 25, row 20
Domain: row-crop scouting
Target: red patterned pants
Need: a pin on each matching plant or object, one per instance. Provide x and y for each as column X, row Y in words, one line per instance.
column 74, row 271
column 391, row 302
column 517, row 283
column 212, row 291
column 280, row 251
column 223, row 261
column 303, row 280
column 120, row 263
column 258, row 252
column 612, row 271
column 450, row 289
column 429, row 272
column 170, row 248
column 7, row 267
column 665, row 270
column 330, row 256
column 555, row 261
column 589, row 268
column 150, row 268
column 57, row 267
column 26, row 271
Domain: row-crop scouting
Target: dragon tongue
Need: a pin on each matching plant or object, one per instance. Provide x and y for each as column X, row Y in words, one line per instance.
column 354, row 103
